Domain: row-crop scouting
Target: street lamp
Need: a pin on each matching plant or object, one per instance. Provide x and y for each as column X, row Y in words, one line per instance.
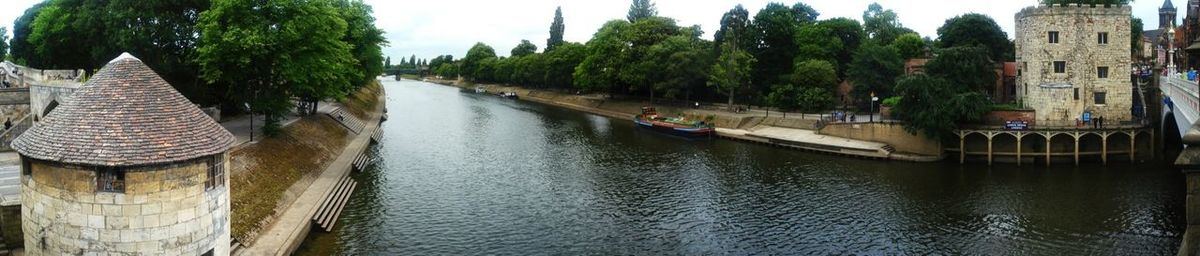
column 1171, row 53
column 871, row 114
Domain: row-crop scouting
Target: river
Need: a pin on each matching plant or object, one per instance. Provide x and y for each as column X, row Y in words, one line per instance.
column 459, row 173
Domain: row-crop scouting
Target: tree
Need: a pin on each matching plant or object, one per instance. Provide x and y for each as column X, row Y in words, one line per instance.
column 523, row 49
column 815, row 80
column 606, row 58
column 975, row 29
column 641, row 9
column 556, row 31
column 21, row 50
column 735, row 28
column 472, row 67
column 966, row 67
column 731, row 71
column 642, row 36
column 850, row 33
column 413, row 61
column 3, row 43
column 930, row 105
column 560, row 64
column 1135, row 26
column 274, row 51
column 682, row 61
column 874, row 70
column 804, row 13
column 882, row 26
column 365, row 39
column 387, row 63
column 775, row 28
column 910, row 46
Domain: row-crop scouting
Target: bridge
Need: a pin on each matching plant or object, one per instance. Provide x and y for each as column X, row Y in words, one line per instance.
column 1181, row 106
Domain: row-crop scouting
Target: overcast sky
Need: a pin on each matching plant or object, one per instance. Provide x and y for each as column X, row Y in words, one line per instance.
column 431, row 28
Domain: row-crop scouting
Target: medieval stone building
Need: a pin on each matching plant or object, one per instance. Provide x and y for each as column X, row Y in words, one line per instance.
column 1074, row 60
column 127, row 165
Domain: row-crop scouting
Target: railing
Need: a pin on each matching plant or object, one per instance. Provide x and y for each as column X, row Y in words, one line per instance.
column 12, row 133
column 1183, row 94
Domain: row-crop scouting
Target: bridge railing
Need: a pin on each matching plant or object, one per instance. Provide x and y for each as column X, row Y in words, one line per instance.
column 15, row 131
column 1183, row 95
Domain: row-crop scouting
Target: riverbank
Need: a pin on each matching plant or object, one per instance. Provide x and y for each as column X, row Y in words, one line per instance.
column 805, row 132
column 277, row 181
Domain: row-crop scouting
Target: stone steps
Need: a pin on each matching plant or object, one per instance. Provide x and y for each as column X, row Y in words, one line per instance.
column 346, row 119
column 326, row 216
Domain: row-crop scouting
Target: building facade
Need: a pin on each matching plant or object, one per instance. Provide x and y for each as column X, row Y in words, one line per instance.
column 125, row 166
column 1073, row 61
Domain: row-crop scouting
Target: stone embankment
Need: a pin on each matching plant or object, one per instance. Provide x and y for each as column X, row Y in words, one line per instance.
column 798, row 131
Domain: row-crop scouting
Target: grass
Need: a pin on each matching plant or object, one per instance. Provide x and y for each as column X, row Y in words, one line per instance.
column 364, row 100
column 269, row 167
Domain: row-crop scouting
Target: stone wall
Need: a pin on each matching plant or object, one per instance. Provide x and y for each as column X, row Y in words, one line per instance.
column 165, row 210
column 890, row 133
column 1053, row 94
column 40, row 96
column 1000, row 117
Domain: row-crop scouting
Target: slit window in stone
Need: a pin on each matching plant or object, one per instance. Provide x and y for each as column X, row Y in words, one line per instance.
column 1060, row 67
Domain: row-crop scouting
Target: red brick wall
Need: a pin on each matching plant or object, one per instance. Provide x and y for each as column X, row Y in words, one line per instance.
column 999, row 117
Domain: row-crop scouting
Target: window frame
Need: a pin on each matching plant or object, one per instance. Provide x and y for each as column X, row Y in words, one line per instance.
column 1052, row 37
column 1102, row 72
column 1102, row 38
column 110, row 180
column 1100, row 98
column 1055, row 65
column 215, row 175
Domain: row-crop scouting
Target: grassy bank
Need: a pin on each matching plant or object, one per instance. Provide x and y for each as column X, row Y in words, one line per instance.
column 363, row 101
column 264, row 171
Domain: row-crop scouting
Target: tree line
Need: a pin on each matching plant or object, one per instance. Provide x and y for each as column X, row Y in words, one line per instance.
column 230, row 53
column 783, row 56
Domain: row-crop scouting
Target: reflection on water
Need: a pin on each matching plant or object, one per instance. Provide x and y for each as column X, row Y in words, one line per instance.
column 463, row 173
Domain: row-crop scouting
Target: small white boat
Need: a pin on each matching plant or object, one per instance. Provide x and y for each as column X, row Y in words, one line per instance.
column 479, row 89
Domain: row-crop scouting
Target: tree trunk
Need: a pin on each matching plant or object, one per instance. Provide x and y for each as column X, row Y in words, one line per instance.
column 731, row 91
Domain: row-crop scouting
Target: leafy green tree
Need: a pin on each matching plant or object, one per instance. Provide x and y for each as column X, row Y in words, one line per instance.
column 975, row 29
column 645, row 70
column 523, row 49
column 775, row 29
column 274, row 51
column 816, row 80
column 21, row 50
column 882, row 26
column 3, row 43
column 67, row 34
column 910, row 46
column 606, row 57
column 804, row 13
column 448, row 70
column 560, row 64
column 366, row 40
column 683, row 62
column 556, row 31
column 934, row 107
column 731, row 71
column 641, row 9
column 387, row 63
column 736, row 29
column 1135, row 26
column 471, row 66
column 850, row 33
column 818, row 42
column 412, row 61
column 874, row 70
column 966, row 67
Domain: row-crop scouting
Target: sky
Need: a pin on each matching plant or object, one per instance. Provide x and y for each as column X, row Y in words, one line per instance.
column 431, row 28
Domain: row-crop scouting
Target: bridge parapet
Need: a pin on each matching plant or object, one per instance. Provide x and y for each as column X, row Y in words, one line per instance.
column 1182, row 97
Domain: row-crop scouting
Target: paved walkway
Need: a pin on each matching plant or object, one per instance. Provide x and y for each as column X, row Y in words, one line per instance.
column 240, row 126
column 289, row 228
column 811, row 137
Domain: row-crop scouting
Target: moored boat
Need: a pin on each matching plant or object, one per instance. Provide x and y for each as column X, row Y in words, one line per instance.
column 681, row 126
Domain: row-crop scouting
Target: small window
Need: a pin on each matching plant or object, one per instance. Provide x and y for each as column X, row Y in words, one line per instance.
column 1102, row 38
column 1053, row 37
column 1060, row 67
column 1100, row 100
column 110, row 180
column 1019, row 72
column 1076, row 93
column 26, row 167
column 216, row 172
column 1101, row 72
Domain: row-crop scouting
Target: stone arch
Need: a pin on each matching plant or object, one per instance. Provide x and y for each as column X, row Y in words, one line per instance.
column 1119, row 144
column 50, row 107
column 1004, row 142
column 975, row 142
column 1172, row 141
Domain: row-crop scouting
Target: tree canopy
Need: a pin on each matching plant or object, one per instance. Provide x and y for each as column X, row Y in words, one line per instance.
column 523, row 49
column 966, row 66
column 641, row 9
column 1105, row 2
column 874, row 70
column 882, row 25
column 556, row 30
column 3, row 43
column 731, row 71
column 910, row 46
column 736, row 29
column 775, row 29
column 21, row 50
column 472, row 67
column 975, row 29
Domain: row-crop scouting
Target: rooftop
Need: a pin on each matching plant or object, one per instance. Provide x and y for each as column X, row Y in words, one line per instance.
column 126, row 115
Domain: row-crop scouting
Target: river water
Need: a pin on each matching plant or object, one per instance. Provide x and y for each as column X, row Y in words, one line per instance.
column 459, row 173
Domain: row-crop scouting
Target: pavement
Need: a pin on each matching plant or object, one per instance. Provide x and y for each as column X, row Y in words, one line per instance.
column 811, row 137
column 241, row 129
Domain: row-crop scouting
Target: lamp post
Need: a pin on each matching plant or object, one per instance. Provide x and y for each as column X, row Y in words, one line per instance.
column 1171, row 53
column 871, row 114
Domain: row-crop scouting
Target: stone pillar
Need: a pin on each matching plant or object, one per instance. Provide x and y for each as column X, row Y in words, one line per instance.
column 989, row 156
column 1049, row 139
column 1133, row 146
column 1189, row 162
column 1019, row 138
column 1076, row 148
column 962, row 148
column 1104, row 147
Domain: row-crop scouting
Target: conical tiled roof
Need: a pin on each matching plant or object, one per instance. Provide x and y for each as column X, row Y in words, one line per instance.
column 1167, row 5
column 126, row 115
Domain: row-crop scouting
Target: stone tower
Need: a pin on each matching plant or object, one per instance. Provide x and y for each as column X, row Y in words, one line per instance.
column 1166, row 15
column 126, row 165
column 1073, row 60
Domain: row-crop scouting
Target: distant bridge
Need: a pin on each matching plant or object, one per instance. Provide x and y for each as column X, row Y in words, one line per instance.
column 1181, row 106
